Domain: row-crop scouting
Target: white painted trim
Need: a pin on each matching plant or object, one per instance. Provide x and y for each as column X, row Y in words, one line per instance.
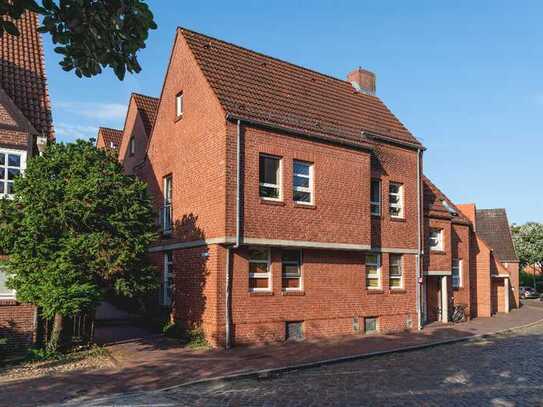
column 438, row 273
column 500, row 276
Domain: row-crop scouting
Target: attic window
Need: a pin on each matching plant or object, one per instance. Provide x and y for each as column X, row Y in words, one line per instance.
column 179, row 105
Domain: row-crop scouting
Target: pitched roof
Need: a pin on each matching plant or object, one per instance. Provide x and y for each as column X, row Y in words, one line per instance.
column 435, row 201
column 258, row 87
column 148, row 107
column 22, row 73
column 110, row 136
column 493, row 227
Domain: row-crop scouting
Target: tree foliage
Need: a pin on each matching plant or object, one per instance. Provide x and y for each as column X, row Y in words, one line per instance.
column 528, row 241
column 77, row 226
column 89, row 34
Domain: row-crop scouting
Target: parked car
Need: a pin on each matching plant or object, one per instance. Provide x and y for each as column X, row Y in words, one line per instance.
column 528, row 292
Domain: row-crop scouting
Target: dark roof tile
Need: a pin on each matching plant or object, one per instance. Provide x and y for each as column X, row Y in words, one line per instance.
column 493, row 227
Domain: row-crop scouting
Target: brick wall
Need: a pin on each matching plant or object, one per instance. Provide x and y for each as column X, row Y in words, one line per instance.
column 133, row 128
column 17, row 324
column 461, row 250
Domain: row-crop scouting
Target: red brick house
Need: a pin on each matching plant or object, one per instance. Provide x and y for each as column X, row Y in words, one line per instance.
column 292, row 204
column 110, row 139
column 25, row 126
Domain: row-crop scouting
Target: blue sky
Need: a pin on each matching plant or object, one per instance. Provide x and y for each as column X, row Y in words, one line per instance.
column 465, row 77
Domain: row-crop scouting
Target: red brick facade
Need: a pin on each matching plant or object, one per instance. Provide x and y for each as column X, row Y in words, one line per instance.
column 335, row 234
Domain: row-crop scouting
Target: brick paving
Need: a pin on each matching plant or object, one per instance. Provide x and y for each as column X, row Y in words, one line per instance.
column 151, row 363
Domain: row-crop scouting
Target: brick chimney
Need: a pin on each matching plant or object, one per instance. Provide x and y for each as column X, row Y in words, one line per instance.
column 362, row 80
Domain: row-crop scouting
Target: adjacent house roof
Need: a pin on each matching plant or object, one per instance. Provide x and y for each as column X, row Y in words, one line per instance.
column 111, row 138
column 265, row 89
column 493, row 227
column 437, row 202
column 22, row 73
column 148, row 107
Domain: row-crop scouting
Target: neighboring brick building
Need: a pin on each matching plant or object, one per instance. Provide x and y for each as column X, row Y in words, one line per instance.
column 110, row 139
column 291, row 203
column 25, row 126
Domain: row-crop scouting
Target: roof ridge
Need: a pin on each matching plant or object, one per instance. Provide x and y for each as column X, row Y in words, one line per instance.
column 145, row 96
column 273, row 58
column 108, row 128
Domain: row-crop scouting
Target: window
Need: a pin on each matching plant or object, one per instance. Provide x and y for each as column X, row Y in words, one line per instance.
column 370, row 325
column 395, row 196
column 302, row 182
column 375, row 197
column 132, row 146
column 456, row 273
column 166, row 215
column 373, row 271
column 4, row 291
column 167, row 279
column 269, row 177
column 12, row 163
column 292, row 273
column 259, row 269
column 179, row 105
column 436, row 239
column 396, row 271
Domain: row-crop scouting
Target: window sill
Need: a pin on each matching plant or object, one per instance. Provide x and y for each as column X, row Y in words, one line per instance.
column 398, row 291
column 295, row 293
column 402, row 220
column 271, row 202
column 371, row 291
column 260, row 293
column 304, row 205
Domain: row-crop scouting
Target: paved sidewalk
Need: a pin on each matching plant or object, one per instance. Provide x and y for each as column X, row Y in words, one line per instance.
column 152, row 363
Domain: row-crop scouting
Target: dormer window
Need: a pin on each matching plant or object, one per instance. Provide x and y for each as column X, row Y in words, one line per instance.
column 179, row 105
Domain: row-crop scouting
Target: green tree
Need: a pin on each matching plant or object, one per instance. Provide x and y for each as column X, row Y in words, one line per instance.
column 528, row 241
column 76, row 227
column 89, row 34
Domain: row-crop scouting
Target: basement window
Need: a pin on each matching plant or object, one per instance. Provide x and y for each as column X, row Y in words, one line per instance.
column 259, row 269
column 269, row 177
column 370, row 325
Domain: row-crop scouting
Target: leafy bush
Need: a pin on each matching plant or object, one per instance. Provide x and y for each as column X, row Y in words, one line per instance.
column 193, row 338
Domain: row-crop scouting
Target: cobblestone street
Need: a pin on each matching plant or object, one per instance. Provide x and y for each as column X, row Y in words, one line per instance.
column 504, row 370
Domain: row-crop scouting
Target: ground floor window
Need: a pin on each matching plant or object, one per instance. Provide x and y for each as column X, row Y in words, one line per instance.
column 291, row 269
column 259, row 269
column 5, row 292
column 396, row 271
column 456, row 273
column 167, row 280
column 373, row 271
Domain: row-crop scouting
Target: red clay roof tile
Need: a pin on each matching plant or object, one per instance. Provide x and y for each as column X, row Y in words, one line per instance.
column 112, row 138
column 148, row 107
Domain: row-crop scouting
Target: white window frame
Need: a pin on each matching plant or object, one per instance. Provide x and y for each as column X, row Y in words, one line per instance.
column 395, row 277
column 179, row 99
column 374, row 204
column 267, row 275
column 457, row 281
column 400, row 204
column 168, row 272
column 167, row 195
column 377, row 275
column 438, row 239
column 10, row 294
column 310, row 177
column 300, row 277
column 278, row 186
column 376, row 326
column 23, row 155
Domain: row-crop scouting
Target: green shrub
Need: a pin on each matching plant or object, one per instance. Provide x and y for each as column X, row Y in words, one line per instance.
column 193, row 338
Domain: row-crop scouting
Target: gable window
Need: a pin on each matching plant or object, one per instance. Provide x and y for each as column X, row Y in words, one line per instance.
column 373, row 271
column 132, row 146
column 166, row 211
column 435, row 240
column 456, row 273
column 5, row 292
column 395, row 197
column 396, row 271
column 167, row 279
column 179, row 105
column 12, row 163
column 259, row 269
column 291, row 269
column 375, row 197
column 269, row 177
column 302, row 182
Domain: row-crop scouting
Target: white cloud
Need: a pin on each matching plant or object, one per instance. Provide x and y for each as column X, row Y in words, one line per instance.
column 101, row 111
column 68, row 132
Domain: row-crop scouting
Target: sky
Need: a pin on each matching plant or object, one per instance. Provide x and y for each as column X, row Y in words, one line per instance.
column 465, row 77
